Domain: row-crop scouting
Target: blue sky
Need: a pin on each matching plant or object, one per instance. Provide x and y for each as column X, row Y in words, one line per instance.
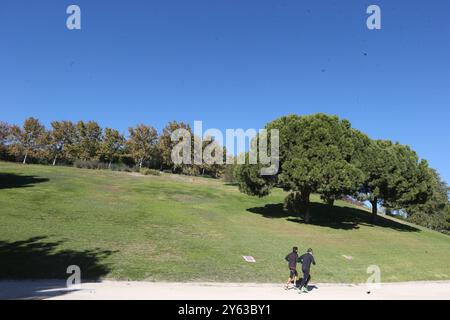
column 232, row 64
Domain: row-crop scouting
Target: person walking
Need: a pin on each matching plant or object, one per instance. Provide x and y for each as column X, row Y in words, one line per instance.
column 306, row 260
column 292, row 259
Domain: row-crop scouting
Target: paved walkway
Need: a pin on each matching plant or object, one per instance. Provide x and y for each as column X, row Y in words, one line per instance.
column 52, row 289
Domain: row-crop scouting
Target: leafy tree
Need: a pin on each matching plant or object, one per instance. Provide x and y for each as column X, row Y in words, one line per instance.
column 165, row 144
column 88, row 139
column 433, row 213
column 209, row 148
column 28, row 139
column 142, row 143
column 376, row 162
column 250, row 180
column 5, row 131
column 411, row 182
column 112, row 144
column 316, row 155
column 228, row 174
column 61, row 139
column 393, row 175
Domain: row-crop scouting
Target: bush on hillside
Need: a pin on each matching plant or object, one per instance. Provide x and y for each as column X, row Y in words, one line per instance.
column 228, row 174
column 146, row 172
column 89, row 164
column 98, row 165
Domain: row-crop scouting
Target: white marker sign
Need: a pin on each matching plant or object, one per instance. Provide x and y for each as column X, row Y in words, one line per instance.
column 249, row 258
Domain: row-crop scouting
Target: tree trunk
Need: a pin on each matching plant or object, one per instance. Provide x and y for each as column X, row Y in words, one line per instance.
column 109, row 165
column 307, row 213
column 374, row 204
column 305, row 201
column 25, row 158
column 54, row 160
column 140, row 164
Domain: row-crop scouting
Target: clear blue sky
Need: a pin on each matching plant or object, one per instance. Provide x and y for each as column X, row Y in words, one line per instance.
column 232, row 64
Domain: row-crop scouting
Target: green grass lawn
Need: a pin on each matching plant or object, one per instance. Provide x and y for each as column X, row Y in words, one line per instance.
column 126, row 226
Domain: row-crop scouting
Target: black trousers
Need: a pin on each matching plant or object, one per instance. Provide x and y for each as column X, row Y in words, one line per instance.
column 305, row 279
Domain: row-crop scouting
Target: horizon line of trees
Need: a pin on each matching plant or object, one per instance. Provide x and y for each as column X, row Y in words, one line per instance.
column 68, row 142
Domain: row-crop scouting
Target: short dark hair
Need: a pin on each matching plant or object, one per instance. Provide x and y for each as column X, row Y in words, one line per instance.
column 309, row 250
column 294, row 249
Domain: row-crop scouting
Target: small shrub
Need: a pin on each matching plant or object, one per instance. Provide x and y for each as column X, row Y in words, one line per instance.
column 102, row 166
column 146, row 172
column 120, row 167
column 82, row 164
column 90, row 164
column 228, row 174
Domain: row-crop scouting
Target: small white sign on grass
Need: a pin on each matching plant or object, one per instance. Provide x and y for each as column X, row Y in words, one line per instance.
column 249, row 258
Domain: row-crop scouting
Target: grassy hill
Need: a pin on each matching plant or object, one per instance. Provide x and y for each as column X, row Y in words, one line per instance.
column 127, row 226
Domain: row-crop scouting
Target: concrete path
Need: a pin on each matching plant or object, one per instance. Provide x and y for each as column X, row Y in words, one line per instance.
column 117, row 290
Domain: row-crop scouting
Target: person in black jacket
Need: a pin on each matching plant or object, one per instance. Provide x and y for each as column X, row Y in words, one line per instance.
column 306, row 261
column 292, row 259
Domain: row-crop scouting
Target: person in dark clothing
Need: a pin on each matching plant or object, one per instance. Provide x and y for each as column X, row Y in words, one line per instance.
column 306, row 260
column 292, row 259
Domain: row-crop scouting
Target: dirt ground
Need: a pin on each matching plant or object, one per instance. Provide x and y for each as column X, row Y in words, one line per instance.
column 119, row 290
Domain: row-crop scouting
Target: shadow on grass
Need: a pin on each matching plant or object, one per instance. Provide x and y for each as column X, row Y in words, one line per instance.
column 343, row 218
column 10, row 180
column 36, row 258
